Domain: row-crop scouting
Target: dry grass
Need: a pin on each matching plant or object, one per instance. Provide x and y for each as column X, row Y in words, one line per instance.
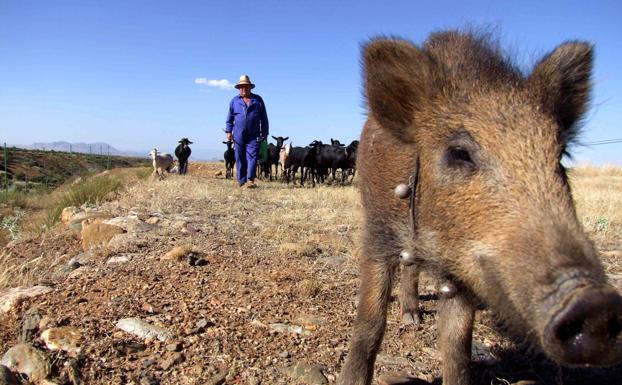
column 305, row 223
column 598, row 197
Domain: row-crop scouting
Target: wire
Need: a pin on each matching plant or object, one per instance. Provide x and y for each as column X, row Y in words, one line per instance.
column 608, row 141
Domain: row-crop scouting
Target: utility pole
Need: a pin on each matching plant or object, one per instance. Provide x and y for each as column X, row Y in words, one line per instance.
column 6, row 168
column 108, row 165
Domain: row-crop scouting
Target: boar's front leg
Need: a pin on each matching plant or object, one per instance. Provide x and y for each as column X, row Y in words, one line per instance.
column 376, row 281
column 456, row 317
column 409, row 295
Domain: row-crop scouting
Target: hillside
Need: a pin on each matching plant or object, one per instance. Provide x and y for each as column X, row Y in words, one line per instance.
column 53, row 167
column 238, row 286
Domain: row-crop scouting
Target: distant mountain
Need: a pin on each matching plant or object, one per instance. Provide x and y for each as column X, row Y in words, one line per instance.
column 85, row 148
column 103, row 148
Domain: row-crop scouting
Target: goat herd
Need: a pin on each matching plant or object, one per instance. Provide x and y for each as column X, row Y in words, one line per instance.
column 316, row 161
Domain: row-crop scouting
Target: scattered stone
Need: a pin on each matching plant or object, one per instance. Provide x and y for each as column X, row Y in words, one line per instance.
column 68, row 213
column 147, row 362
column 218, row 378
column 73, row 264
column 309, row 322
column 336, row 260
column 65, row 338
column 9, row 298
column 82, row 219
column 177, row 253
column 7, row 377
column 46, row 322
column 149, row 308
column 119, row 259
column 387, row 360
column 121, row 241
column 174, row 347
column 73, row 372
column 284, row 354
column 258, row 323
column 98, row 234
column 194, row 260
column 218, row 173
column 171, row 360
column 128, row 347
column 148, row 379
column 29, row 325
column 285, row 328
column 399, row 379
column 179, row 225
column 25, row 359
column 153, row 220
column 143, row 329
column 310, row 374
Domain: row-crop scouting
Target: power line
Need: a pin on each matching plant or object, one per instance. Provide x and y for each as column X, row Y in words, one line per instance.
column 608, row 141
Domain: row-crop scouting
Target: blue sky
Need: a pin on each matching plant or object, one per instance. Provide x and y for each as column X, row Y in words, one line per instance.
column 135, row 73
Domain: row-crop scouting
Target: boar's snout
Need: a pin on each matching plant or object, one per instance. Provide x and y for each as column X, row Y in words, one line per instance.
column 587, row 330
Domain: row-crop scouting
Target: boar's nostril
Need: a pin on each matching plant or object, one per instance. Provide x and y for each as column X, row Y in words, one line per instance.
column 569, row 329
column 614, row 327
column 587, row 330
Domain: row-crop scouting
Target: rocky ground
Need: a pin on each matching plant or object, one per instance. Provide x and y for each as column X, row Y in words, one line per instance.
column 192, row 280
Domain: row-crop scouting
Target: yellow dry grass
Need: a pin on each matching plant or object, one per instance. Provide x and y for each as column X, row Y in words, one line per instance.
column 322, row 221
column 598, row 197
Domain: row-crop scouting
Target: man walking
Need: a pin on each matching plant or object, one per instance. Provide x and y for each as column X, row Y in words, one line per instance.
column 247, row 122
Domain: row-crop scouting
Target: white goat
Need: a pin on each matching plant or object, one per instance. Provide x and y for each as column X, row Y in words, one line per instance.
column 161, row 162
column 284, row 158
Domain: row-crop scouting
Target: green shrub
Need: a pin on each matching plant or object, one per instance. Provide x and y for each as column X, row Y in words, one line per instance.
column 90, row 191
column 13, row 198
column 144, row 172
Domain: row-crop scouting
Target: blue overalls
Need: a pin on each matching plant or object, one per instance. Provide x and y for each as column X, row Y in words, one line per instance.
column 247, row 123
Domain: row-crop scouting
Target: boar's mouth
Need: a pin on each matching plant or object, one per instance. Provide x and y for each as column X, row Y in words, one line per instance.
column 586, row 328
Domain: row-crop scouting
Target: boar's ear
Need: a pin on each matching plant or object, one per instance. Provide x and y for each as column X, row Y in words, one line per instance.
column 399, row 81
column 562, row 82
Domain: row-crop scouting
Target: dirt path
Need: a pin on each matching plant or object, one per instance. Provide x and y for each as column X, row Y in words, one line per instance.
column 274, row 258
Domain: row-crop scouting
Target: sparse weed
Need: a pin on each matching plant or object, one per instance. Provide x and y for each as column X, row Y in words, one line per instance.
column 90, row 191
column 13, row 198
column 143, row 172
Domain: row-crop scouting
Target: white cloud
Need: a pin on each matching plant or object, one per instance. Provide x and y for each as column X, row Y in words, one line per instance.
column 223, row 84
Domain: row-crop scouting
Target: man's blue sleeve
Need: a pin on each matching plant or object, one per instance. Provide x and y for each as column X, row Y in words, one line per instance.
column 265, row 127
column 230, row 117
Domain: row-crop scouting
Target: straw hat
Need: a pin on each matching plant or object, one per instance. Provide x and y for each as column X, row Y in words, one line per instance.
column 244, row 79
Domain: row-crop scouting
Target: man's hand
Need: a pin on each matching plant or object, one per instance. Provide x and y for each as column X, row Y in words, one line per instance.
column 229, row 136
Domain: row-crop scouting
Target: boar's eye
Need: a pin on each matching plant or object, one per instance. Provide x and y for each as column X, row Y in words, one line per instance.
column 458, row 157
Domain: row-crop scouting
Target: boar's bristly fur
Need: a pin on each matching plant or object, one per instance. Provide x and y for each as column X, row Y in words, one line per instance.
column 494, row 215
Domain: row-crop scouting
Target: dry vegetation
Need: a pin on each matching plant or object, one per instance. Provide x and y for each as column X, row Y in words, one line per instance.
column 274, row 252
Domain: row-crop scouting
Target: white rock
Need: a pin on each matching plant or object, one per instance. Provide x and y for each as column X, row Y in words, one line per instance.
column 66, row 338
column 120, row 259
column 24, row 358
column 9, row 298
column 143, row 329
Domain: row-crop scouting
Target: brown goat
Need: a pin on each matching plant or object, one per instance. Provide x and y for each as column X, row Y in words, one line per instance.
column 476, row 146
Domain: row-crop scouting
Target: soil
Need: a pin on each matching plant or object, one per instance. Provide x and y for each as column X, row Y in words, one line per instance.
column 219, row 311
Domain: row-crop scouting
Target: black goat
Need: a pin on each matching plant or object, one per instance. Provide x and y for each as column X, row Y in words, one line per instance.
column 351, row 151
column 303, row 158
column 182, row 152
column 273, row 157
column 330, row 158
column 229, row 159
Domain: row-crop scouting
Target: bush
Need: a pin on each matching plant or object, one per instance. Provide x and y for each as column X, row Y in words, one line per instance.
column 144, row 172
column 13, row 198
column 90, row 191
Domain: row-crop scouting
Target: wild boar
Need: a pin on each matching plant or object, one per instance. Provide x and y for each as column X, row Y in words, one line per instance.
column 476, row 145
